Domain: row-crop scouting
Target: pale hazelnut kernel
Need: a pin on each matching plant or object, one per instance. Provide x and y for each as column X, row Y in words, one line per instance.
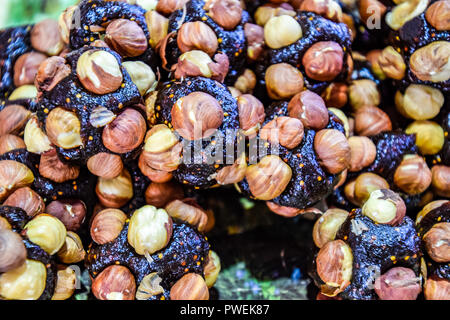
column 63, row 128
column 282, row 31
column 370, row 121
column 327, row 226
column 158, row 27
column 437, row 242
column 391, row 63
column 24, row 92
column 226, row 13
column 197, row 36
column 114, row 283
column 283, row 81
column 157, row 165
column 419, row 102
column 286, row 131
column 365, row 183
column 26, row 199
column 47, row 232
column 441, row 180
column 362, row 93
column 246, row 82
column 265, row 12
column 323, row 61
column 333, row 150
column 432, row 62
column 9, row 142
column 105, row 165
column 251, row 114
column 310, row 109
column 429, row 136
column 45, row 37
column 373, row 56
column 66, row 284
column 212, row 268
column 65, row 23
column 363, row 152
column 190, row 287
column 159, row 139
column 412, row 175
column 385, row 206
column 126, row 37
column 329, row 9
column 149, row 287
column 398, row 284
column 107, row 225
column 72, row 251
column 437, row 289
column 116, row 192
column 13, row 119
column 404, row 12
column 188, row 212
column 142, row 75
column 197, row 63
column 438, row 15
column 26, row 67
column 13, row 175
column 54, row 169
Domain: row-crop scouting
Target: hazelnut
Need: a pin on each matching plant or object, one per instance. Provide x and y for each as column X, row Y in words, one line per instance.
column 323, row 61
column 63, row 128
column 234, row 173
column 26, row 67
column 107, row 225
column 412, row 175
column 255, row 40
column 310, row 109
column 154, row 175
column 4, row 224
column 334, row 266
column 72, row 251
column 342, row 178
column 365, row 183
column 9, row 142
column 437, row 289
column 282, row 31
column 371, row 11
column 212, row 268
column 265, row 12
column 51, row 72
column 419, row 102
column 160, row 194
column 344, row 120
column 99, row 72
column 26, row 282
column 385, row 206
column 391, row 63
column 429, row 136
column 327, row 226
column 101, row 116
column 158, row 27
column 268, row 178
column 246, row 82
column 150, row 230
column 288, row 212
column 190, row 287
column 335, row 95
column 285, row 131
column 159, row 139
column 66, row 22
column 440, row 180
column 126, row 37
column 26, row 199
column 370, row 121
column 13, row 175
column 197, row 36
column 116, row 192
column 114, row 283
column 45, row 37
column 437, row 242
column 432, row 62
column 197, row 63
column 12, row 250
column 71, row 212
column 226, row 13
column 333, row 150
column 150, row 286
column 65, row 284
column 438, row 15
column 24, row 92
column 363, row 153
column 197, row 115
column 105, row 165
column 166, row 7
column 234, row 92
column 251, row 114
column 329, row 9
column 398, row 284
column 47, row 232
column 404, row 12
column 13, row 119
column 188, row 212
column 125, row 133
column 429, row 207
column 372, row 56
column 283, row 81
column 154, row 164
column 35, row 139
column 52, row 168
column 142, row 75
column 362, row 93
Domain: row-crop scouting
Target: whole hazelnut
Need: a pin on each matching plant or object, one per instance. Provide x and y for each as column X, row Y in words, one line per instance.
column 166, row 7
column 107, row 225
column 212, row 268
column 155, row 175
column 385, row 206
column 63, row 128
column 197, row 36
column 372, row 56
column 333, row 150
column 45, row 37
column 188, row 212
column 251, row 114
column 323, row 61
column 150, row 286
column 335, row 95
column 310, row 109
column 430, row 136
column 153, row 164
column 26, row 67
column 125, row 133
column 72, row 251
column 365, row 183
column 329, row 9
column 66, row 283
column 432, row 62
column 419, row 102
column 26, row 199
column 9, row 142
column 35, row 139
column 190, row 287
column 362, row 93
column 398, row 284
column 71, row 212
column 13, row 119
column 105, row 165
column 13, row 175
column 438, row 15
column 412, row 175
column 281, row 31
column 370, row 121
column 283, row 81
column 114, row 283
column 126, row 37
column 51, row 72
column 268, row 178
column 440, row 180
column 158, row 27
column 285, row 131
column 47, row 232
column 327, row 226
column 371, row 11
column 141, row 74
column 246, row 82
column 404, row 12
column 160, row 194
column 234, row 173
column 198, row 63
column 24, row 92
column 99, row 72
column 226, row 13
column 349, row 191
column 265, row 12
column 437, row 242
column 363, row 153
column 116, row 192
column 66, row 23
column 391, row 63
column 255, row 40
column 54, row 169
column 437, row 289
column 12, row 250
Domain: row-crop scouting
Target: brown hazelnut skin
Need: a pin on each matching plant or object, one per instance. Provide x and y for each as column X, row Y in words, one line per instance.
column 378, row 10
column 333, row 150
column 125, row 133
column 190, row 287
column 13, row 119
column 365, row 183
column 115, row 193
column 114, row 283
column 45, row 37
column 430, row 62
column 384, row 206
column 440, row 180
column 9, row 142
column 285, row 131
column 226, row 13
column 363, row 152
column 197, row 36
column 105, row 165
column 251, row 113
column 188, row 211
column 335, row 95
column 160, row 194
column 391, row 63
column 412, row 175
column 328, row 225
column 329, row 9
column 51, row 72
column 438, row 15
column 126, row 37
column 398, row 284
column 71, row 212
column 155, row 175
column 26, row 67
column 323, row 61
column 166, row 7
column 437, row 289
column 12, row 250
column 54, row 169
column 437, row 242
column 107, row 225
column 26, row 199
column 283, row 211
column 370, row 121
column 310, row 108
column 283, row 81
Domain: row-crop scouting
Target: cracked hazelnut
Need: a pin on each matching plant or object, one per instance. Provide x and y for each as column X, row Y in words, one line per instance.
column 150, row 286
column 125, row 133
column 107, row 225
column 212, row 268
column 285, row 131
column 371, row 11
column 333, row 150
column 160, row 194
column 327, row 226
column 255, row 40
column 370, row 121
column 362, row 93
column 105, row 165
column 54, row 169
column 47, row 232
column 283, row 81
column 323, row 61
column 432, row 62
column 189, row 212
column 99, row 72
column 26, row 67
column 26, row 199
column 365, row 183
column 281, row 31
column 166, row 7
column 335, row 95
column 116, row 192
column 9, row 142
column 385, row 206
column 437, row 242
column 197, row 36
column 226, row 13
column 114, row 283
column 412, row 175
column 246, row 82
column 190, row 287
column 391, row 63
column 268, row 178
column 63, row 128
column 13, row 175
column 197, row 63
column 419, row 102
column 438, row 15
column 197, row 116
column 329, row 9
column 13, row 119
column 101, row 116
column 35, row 139
column 150, row 230
column 12, row 250
column 66, row 23
column 441, row 180
column 334, row 266
column 398, row 284
column 363, row 153
column 265, row 12
column 24, row 92
column 65, row 284
column 72, row 250
column 429, row 136
column 437, row 289
column 158, row 27
column 310, row 109
column 142, row 75
column 373, row 56
column 126, row 37
column 234, row 173
column 251, row 114
column 70, row 212
column 51, row 72
column 404, row 12
column 45, row 37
